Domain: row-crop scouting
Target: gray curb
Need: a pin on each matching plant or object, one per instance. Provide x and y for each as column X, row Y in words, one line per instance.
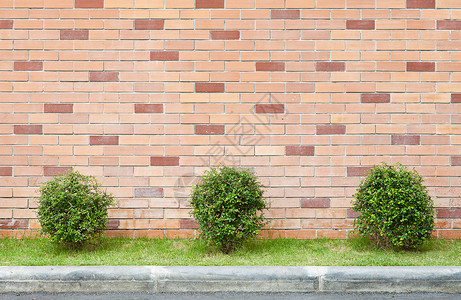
column 241, row 279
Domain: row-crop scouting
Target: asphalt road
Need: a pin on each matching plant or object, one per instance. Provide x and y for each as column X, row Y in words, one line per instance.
column 226, row 296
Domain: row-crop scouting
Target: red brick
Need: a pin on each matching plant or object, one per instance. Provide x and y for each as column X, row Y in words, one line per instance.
column 350, row 213
column 104, row 76
column 209, row 129
column 209, row 3
column 164, row 161
column 405, row 140
column 89, row 3
column 74, row 34
column 285, row 14
column 270, row 108
column 188, row 224
column 323, row 66
column 225, row 35
column 456, row 160
column 6, row 24
column 28, row 129
column 28, row 66
column 14, row 224
column 148, row 108
column 209, row 87
column 52, row 171
column 315, row 202
column 59, row 108
column 104, row 140
column 375, row 98
column 421, row 66
column 164, row 55
column 420, row 3
column 360, row 24
column 6, row 171
column 357, row 171
column 148, row 24
column 270, row 66
column 148, row 192
column 299, row 150
column 455, row 98
column 449, row 213
column 448, row 25
column 331, row 129
column 112, row 224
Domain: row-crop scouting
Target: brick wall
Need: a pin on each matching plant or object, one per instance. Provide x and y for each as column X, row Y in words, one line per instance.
column 147, row 94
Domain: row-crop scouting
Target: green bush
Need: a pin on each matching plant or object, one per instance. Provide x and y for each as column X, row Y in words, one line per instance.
column 72, row 209
column 396, row 209
column 228, row 204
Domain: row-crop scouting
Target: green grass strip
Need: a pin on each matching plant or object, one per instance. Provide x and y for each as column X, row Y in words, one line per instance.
column 278, row 252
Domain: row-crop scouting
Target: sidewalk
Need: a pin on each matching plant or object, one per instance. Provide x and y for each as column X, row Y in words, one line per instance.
column 229, row 278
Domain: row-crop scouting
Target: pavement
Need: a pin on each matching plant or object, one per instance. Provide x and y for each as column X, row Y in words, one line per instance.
column 178, row 279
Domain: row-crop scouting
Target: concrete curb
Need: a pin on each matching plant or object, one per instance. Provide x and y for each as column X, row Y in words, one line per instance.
column 229, row 278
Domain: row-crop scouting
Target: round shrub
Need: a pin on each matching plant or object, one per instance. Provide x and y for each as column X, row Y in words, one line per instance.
column 396, row 209
column 228, row 204
column 72, row 208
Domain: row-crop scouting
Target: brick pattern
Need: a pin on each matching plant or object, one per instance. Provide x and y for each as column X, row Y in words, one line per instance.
column 146, row 95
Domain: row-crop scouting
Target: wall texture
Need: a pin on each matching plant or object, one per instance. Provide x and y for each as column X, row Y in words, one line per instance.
column 147, row 94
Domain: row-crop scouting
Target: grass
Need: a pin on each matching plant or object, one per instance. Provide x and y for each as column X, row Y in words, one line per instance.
column 286, row 252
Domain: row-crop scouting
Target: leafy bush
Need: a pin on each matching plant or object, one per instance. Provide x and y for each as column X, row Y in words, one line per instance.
column 396, row 209
column 73, row 209
column 228, row 204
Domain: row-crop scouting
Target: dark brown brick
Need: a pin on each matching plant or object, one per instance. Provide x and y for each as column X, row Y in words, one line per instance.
column 456, row 160
column 360, row 24
column 209, row 3
column 103, row 140
column 448, row 25
column 420, row 3
column 225, row 35
column 164, row 55
column 270, row 66
column 455, row 98
column 375, row 98
column 325, row 66
column 449, row 213
column 6, row 171
column 53, row 171
column 315, row 202
column 209, row 87
column 148, row 24
column 14, row 224
column 420, row 66
column 164, row 161
column 59, row 108
column 148, row 192
column 209, row 129
column 148, row 108
column 331, row 129
column 188, row 224
column 299, row 150
column 112, row 224
column 6, row 24
column 28, row 129
column 104, row 76
column 405, row 140
column 74, row 34
column 285, row 14
column 350, row 213
column 357, row 171
column 270, row 108
column 89, row 3
column 28, row 66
